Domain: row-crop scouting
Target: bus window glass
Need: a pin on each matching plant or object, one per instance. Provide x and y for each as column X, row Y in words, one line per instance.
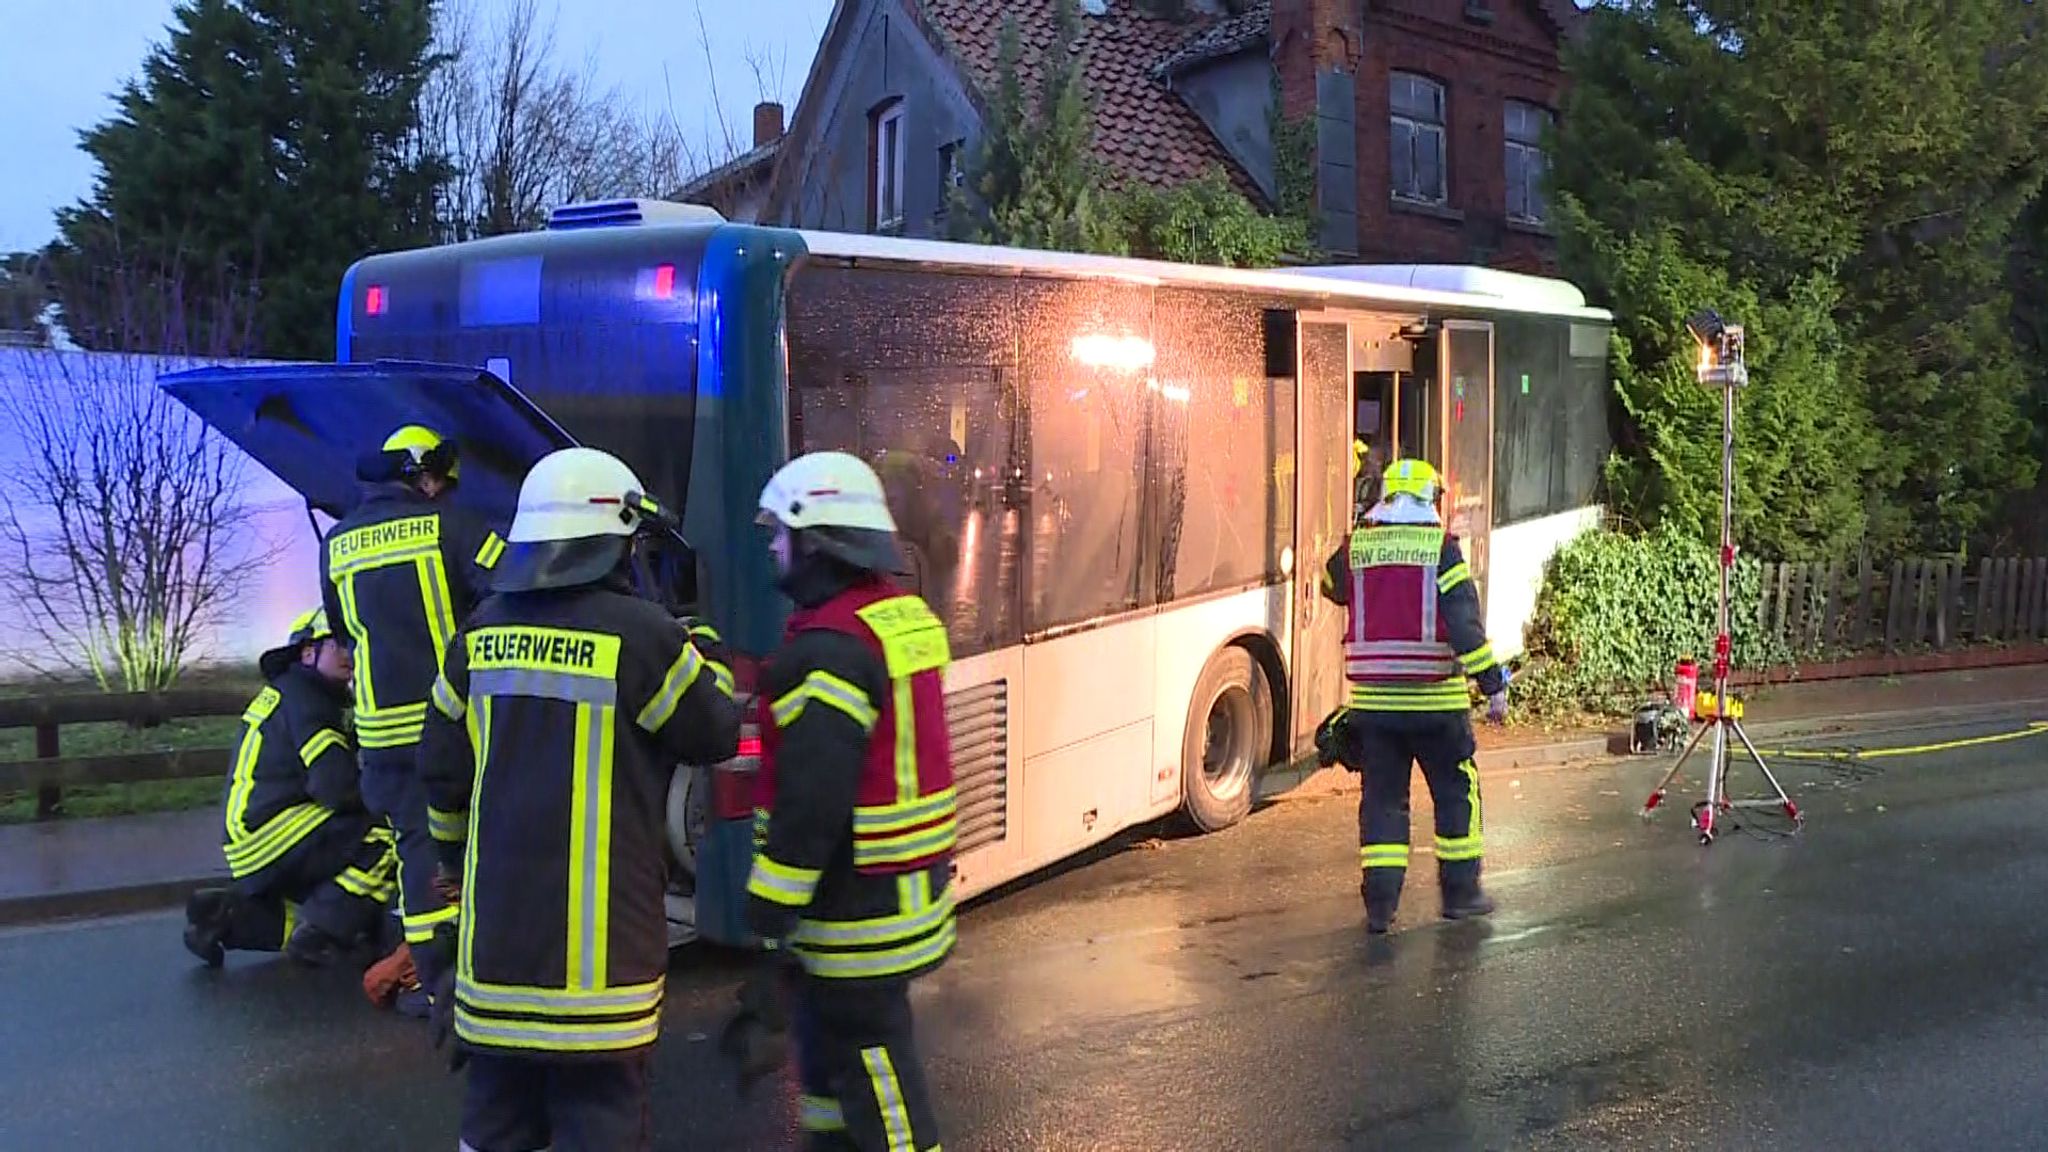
column 1091, row 375
column 1220, row 512
column 912, row 372
column 1587, row 440
column 1550, row 430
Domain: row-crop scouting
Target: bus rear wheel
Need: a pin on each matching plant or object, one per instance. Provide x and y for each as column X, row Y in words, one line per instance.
column 1229, row 733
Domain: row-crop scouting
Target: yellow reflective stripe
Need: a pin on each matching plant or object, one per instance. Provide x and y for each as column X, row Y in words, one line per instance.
column 1478, row 660
column 590, row 837
column 891, row 817
column 825, row 688
column 780, row 883
column 879, row 930
column 1396, row 546
column 479, row 724
column 411, row 553
column 1383, row 856
column 1457, row 848
column 721, row 676
column 437, row 603
column 279, row 835
column 395, row 716
column 261, row 707
column 366, row 692
column 419, row 927
column 447, row 827
column 881, row 962
column 820, row 1114
column 393, row 738
column 557, row 1035
column 681, row 674
column 492, row 548
column 1456, row 574
column 625, row 999
column 888, row 1097
column 242, row 782
column 375, row 883
column 445, row 698
column 906, row 742
column 319, row 742
column 1443, row 696
column 905, row 847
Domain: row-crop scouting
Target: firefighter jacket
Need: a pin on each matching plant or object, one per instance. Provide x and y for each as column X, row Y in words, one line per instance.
column 294, row 770
column 557, row 723
column 398, row 575
column 855, row 816
column 1414, row 629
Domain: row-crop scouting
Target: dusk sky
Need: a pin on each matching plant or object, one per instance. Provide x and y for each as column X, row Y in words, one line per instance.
column 62, row 60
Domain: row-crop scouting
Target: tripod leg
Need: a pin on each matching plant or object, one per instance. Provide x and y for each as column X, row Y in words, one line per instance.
column 1717, row 772
column 1791, row 809
column 1657, row 797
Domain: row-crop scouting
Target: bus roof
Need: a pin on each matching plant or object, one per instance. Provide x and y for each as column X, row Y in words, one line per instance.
column 1418, row 285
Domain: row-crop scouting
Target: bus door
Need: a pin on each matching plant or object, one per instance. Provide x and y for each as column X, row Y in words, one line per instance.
column 1382, row 364
column 1322, row 520
column 1466, row 460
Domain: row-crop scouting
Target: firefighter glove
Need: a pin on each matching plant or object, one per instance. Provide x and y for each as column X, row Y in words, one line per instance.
column 1497, row 708
column 441, row 1012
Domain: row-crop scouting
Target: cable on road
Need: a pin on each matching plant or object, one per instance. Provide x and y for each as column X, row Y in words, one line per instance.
column 1849, row 764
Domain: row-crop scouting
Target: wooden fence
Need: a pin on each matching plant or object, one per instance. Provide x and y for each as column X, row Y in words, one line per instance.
column 51, row 771
column 1823, row 608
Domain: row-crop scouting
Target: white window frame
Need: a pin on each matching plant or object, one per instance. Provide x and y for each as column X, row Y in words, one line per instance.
column 1418, row 130
column 888, row 174
column 1524, row 164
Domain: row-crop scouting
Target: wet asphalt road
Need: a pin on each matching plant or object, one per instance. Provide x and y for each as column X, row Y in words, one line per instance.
column 1881, row 980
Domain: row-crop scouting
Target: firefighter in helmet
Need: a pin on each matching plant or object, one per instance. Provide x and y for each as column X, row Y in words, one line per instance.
column 855, row 818
column 1414, row 633
column 561, row 710
column 398, row 574
column 311, row 869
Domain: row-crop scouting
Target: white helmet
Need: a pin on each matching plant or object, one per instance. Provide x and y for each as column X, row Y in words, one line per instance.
column 577, row 509
column 836, row 501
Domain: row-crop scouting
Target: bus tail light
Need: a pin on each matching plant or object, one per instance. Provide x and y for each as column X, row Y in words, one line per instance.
column 732, row 783
column 374, row 300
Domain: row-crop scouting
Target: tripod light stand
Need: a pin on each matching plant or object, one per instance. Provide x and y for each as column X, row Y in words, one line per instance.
column 1721, row 365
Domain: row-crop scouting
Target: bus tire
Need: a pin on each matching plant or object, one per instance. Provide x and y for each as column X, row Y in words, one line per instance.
column 1229, row 734
column 685, row 824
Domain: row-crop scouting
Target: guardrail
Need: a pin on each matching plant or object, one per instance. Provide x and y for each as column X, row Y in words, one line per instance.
column 51, row 771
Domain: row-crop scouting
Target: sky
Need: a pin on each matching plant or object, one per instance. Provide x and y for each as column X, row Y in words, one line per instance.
column 62, row 60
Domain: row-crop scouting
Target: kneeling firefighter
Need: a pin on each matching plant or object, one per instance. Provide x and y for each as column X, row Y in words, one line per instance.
column 855, row 818
column 312, row 871
column 561, row 710
column 1414, row 632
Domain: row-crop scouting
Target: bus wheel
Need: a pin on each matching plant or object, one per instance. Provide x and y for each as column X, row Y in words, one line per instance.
column 687, row 804
column 1229, row 733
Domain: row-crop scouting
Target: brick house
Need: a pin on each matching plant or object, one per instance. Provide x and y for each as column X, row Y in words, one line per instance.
column 1428, row 113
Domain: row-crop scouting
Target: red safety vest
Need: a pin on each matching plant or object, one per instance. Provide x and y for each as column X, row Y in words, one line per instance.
column 904, row 817
column 1393, row 634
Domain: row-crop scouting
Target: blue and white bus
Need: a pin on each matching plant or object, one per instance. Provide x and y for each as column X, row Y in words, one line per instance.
column 1116, row 478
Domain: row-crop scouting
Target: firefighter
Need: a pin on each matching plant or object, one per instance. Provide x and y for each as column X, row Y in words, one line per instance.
column 399, row 573
column 1414, row 633
column 562, row 708
column 312, row 871
column 855, row 818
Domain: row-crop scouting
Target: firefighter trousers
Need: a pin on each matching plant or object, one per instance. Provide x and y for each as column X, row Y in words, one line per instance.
column 337, row 880
column 392, row 790
column 528, row 1103
column 863, row 1085
column 1385, row 748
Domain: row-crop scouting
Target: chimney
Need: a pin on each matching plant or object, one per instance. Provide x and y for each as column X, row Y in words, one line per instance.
column 767, row 123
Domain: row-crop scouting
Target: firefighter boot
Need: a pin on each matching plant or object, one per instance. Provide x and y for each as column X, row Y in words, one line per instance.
column 1466, row 900
column 1382, row 891
column 207, row 914
column 313, row 947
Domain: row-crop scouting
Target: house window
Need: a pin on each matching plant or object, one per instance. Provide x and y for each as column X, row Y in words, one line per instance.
column 887, row 191
column 1526, row 164
column 951, row 174
column 1417, row 134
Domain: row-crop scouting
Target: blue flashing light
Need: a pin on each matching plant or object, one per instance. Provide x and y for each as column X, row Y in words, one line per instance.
column 345, row 316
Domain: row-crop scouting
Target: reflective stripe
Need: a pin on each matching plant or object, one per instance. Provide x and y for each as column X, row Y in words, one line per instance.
column 567, row 686
column 1429, row 595
column 394, row 727
column 447, row 827
column 242, row 780
column 826, row 688
column 487, row 555
column 444, row 698
column 1383, row 856
column 889, row 1098
column 438, row 604
column 419, row 927
column 366, row 692
column 895, row 961
column 820, row 1114
column 906, row 741
column 681, row 674
column 781, row 883
column 590, row 851
column 556, row 1036
column 894, row 817
column 410, row 554
column 280, row 834
column 319, row 742
column 1457, row 848
column 1447, row 696
column 634, row 999
column 1478, row 660
column 880, row 930
column 1456, row 574
column 721, row 676
column 1369, row 669
column 907, row 846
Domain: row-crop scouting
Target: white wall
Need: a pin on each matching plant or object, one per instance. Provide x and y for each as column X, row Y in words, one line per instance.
column 276, row 589
column 1515, row 558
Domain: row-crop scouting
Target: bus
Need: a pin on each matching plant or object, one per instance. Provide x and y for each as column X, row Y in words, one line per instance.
column 1115, row 479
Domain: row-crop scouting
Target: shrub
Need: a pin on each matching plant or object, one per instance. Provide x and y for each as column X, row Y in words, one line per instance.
column 1617, row 612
